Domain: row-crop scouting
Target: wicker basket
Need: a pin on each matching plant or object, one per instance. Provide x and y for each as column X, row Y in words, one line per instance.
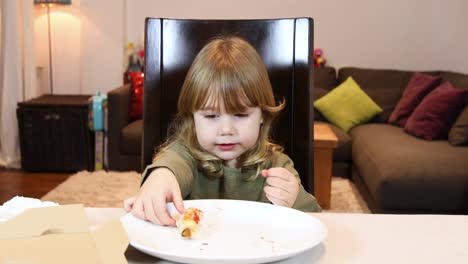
column 54, row 134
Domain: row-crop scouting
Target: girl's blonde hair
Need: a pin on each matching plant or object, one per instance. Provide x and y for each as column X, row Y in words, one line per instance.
column 227, row 71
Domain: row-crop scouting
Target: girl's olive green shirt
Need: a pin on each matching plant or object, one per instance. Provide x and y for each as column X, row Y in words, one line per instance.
column 194, row 184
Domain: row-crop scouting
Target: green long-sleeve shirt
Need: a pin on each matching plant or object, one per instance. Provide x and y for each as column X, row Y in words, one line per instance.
column 194, row 184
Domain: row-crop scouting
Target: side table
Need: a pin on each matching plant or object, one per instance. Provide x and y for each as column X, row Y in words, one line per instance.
column 324, row 143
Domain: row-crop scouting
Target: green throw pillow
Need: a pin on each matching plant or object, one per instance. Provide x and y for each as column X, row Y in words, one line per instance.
column 347, row 105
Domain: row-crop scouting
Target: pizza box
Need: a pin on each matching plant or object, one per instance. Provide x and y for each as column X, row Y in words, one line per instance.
column 60, row 234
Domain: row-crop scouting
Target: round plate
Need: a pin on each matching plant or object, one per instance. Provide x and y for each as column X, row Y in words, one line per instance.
column 231, row 231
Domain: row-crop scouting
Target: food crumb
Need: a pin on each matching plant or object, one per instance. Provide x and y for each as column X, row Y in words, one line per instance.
column 272, row 242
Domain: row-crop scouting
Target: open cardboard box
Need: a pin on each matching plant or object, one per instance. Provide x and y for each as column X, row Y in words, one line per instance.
column 60, row 234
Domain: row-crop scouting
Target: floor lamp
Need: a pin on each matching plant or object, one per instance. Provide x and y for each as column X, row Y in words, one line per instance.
column 49, row 4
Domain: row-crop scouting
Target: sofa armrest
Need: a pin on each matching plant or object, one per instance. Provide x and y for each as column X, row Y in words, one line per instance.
column 118, row 104
column 118, row 107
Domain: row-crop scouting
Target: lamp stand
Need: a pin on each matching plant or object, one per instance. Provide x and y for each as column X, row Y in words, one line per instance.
column 50, row 51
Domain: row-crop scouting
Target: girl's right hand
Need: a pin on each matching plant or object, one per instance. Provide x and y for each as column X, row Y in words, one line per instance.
column 160, row 187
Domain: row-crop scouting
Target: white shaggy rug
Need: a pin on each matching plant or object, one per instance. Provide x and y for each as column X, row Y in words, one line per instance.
column 109, row 189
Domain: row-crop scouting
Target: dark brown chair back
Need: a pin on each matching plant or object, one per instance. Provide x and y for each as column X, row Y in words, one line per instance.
column 285, row 46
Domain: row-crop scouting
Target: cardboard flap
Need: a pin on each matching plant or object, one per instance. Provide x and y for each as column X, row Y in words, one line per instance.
column 112, row 241
column 77, row 248
column 35, row 222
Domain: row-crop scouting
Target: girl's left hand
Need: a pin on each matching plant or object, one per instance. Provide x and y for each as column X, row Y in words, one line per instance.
column 282, row 188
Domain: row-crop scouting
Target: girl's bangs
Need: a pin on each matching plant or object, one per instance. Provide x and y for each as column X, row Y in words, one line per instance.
column 226, row 91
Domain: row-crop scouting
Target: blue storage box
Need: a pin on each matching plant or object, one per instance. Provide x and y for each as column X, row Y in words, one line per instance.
column 96, row 112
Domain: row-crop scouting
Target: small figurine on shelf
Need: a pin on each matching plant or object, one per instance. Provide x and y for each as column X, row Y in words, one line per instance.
column 319, row 60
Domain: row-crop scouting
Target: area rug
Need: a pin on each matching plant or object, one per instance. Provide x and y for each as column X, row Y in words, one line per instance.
column 109, row 189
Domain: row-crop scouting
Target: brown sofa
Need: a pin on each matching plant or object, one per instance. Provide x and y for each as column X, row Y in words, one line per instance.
column 124, row 135
column 396, row 172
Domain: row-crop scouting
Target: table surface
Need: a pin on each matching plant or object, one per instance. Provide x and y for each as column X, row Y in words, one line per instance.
column 361, row 238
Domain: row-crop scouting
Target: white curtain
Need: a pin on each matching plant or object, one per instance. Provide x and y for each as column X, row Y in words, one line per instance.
column 17, row 73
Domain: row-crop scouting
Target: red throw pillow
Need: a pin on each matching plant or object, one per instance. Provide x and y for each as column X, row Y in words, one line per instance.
column 417, row 88
column 434, row 116
column 136, row 98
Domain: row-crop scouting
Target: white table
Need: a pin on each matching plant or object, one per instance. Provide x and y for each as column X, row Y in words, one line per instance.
column 362, row 238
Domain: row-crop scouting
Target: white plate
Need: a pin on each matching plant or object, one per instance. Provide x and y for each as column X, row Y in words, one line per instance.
column 231, row 231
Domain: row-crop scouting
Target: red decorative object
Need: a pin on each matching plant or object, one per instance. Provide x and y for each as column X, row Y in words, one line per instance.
column 319, row 60
column 136, row 101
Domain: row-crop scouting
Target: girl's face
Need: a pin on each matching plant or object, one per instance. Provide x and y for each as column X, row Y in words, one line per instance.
column 227, row 136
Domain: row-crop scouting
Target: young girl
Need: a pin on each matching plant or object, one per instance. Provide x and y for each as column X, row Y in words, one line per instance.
column 220, row 147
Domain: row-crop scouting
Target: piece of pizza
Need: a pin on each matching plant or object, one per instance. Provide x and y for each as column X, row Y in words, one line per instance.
column 188, row 222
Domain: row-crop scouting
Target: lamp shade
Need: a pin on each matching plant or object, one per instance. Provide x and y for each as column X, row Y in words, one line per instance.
column 57, row 2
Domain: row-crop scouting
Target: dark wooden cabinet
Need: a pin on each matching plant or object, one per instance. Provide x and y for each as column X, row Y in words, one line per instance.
column 54, row 133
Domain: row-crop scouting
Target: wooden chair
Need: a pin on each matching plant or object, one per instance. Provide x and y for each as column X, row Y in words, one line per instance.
column 285, row 46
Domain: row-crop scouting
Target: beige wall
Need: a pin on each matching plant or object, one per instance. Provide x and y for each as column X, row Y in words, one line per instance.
column 87, row 46
column 66, row 25
column 102, row 44
column 402, row 34
column 399, row 34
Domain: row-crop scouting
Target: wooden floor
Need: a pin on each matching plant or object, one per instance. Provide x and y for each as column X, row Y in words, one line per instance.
column 29, row 184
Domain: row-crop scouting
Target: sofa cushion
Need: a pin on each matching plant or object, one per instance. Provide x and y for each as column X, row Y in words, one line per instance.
column 417, row 88
column 347, row 105
column 403, row 172
column 385, row 87
column 131, row 138
column 325, row 78
column 458, row 134
column 458, row 80
column 435, row 115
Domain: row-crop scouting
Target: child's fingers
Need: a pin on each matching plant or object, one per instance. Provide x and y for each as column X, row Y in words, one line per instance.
column 276, row 201
column 276, row 192
column 265, row 173
column 161, row 212
column 178, row 203
column 278, row 183
column 280, row 173
column 128, row 203
column 281, row 178
column 279, row 196
column 138, row 210
column 150, row 211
